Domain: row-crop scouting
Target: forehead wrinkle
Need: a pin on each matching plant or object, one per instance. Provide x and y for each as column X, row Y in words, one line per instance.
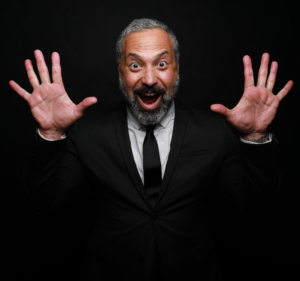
column 157, row 55
column 154, row 50
column 147, row 46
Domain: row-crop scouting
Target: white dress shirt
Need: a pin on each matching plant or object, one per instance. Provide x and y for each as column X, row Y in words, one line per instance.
column 163, row 134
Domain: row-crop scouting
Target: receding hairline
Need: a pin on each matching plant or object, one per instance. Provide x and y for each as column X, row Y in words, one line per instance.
column 158, row 54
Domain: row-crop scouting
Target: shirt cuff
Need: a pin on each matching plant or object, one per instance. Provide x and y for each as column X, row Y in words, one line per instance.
column 252, row 142
column 62, row 137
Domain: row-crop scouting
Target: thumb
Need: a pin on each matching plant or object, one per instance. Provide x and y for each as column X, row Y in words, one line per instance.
column 87, row 102
column 221, row 109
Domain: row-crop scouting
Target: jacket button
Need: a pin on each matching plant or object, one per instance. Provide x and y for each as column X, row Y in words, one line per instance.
column 153, row 216
column 141, row 257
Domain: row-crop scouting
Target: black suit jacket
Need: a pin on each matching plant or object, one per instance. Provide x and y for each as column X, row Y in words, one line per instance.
column 204, row 151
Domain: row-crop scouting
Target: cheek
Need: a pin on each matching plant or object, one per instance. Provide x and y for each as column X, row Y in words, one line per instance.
column 130, row 80
column 168, row 79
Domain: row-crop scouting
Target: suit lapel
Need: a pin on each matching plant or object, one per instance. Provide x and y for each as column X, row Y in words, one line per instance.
column 181, row 117
column 119, row 117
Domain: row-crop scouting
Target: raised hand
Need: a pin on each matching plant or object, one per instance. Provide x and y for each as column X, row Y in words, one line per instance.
column 258, row 105
column 49, row 102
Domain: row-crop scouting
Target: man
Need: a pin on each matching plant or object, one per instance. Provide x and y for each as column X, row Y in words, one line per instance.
column 151, row 161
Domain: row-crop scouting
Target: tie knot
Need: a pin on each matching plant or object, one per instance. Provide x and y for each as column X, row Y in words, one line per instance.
column 150, row 128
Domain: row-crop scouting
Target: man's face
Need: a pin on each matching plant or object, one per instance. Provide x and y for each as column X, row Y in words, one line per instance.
column 148, row 74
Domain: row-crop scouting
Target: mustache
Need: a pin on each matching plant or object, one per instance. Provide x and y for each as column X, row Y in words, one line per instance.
column 146, row 89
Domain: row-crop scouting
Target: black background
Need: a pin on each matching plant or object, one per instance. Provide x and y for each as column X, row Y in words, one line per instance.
column 213, row 38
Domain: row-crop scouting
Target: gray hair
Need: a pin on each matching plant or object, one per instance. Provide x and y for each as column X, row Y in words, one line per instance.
column 143, row 24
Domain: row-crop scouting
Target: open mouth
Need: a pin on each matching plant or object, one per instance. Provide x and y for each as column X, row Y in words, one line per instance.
column 149, row 100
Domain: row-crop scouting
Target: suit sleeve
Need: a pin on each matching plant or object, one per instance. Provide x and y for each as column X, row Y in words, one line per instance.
column 250, row 174
column 51, row 173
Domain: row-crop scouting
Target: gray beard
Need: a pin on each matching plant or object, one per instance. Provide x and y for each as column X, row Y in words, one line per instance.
column 149, row 116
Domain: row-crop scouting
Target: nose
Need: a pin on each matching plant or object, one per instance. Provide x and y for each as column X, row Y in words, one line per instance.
column 150, row 78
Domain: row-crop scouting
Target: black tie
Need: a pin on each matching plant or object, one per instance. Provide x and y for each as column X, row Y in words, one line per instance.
column 152, row 166
column 152, row 182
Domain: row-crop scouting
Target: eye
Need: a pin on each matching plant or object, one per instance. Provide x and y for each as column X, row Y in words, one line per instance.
column 135, row 65
column 162, row 64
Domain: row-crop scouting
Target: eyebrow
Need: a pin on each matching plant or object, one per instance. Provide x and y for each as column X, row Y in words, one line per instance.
column 139, row 57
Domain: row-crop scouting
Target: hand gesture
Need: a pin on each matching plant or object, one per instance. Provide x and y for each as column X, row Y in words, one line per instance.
column 49, row 102
column 258, row 105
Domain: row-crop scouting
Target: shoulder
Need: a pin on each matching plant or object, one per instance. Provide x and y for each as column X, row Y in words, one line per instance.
column 98, row 118
column 202, row 117
column 211, row 127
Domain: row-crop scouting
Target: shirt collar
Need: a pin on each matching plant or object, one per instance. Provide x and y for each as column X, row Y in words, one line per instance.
column 164, row 122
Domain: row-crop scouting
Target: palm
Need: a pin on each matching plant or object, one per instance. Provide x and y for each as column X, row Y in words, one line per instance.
column 50, row 105
column 258, row 105
column 255, row 111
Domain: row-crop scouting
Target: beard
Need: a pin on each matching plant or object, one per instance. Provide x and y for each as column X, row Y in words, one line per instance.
column 149, row 116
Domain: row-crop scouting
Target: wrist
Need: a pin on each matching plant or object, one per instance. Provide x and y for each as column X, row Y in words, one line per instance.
column 253, row 136
column 51, row 134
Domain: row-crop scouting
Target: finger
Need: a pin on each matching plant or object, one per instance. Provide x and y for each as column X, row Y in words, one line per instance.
column 272, row 76
column 87, row 102
column 25, row 95
column 285, row 90
column 263, row 70
column 221, row 109
column 248, row 72
column 42, row 67
column 31, row 74
column 56, row 69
